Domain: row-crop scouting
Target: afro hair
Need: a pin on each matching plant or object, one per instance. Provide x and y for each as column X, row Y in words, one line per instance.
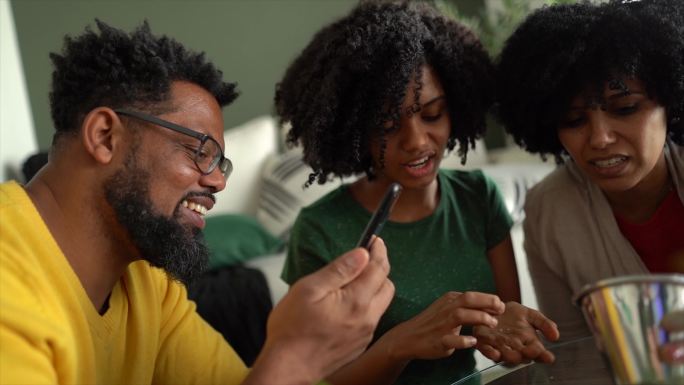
column 117, row 69
column 559, row 51
column 352, row 77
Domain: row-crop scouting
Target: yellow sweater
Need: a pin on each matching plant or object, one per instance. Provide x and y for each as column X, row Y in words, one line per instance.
column 50, row 332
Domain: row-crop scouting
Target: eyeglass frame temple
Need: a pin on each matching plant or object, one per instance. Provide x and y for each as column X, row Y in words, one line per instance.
column 164, row 123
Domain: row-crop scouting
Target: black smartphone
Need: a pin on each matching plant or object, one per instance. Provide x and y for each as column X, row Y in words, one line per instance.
column 380, row 215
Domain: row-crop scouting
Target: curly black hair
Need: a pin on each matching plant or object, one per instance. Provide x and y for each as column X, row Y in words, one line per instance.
column 117, row 69
column 559, row 51
column 352, row 77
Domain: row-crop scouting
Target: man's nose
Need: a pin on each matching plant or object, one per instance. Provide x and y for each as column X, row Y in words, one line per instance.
column 215, row 180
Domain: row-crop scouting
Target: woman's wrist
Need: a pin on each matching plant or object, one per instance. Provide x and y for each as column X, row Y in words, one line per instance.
column 393, row 346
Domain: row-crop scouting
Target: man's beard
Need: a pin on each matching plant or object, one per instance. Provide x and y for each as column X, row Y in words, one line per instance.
column 162, row 241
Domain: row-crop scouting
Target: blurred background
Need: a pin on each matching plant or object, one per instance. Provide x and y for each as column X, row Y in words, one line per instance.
column 252, row 41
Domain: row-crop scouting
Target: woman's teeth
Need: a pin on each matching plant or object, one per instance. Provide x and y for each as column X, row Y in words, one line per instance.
column 610, row 162
column 195, row 207
column 419, row 162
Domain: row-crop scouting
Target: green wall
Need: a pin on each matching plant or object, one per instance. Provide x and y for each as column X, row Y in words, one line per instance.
column 252, row 41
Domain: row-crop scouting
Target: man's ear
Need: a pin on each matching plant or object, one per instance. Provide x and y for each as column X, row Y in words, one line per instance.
column 101, row 133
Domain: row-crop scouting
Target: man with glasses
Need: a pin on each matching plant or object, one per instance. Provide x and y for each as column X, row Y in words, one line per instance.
column 94, row 250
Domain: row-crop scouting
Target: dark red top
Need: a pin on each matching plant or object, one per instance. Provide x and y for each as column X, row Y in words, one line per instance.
column 660, row 240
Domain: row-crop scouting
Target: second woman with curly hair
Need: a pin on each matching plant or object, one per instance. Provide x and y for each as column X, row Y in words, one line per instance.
column 385, row 92
column 601, row 88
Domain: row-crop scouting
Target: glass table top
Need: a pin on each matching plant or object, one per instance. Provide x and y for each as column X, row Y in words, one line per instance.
column 578, row 362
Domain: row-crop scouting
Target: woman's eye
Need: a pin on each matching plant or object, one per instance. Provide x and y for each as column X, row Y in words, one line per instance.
column 432, row 118
column 572, row 122
column 625, row 109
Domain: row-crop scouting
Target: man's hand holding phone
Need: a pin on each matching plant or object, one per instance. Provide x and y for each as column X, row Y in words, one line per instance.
column 326, row 319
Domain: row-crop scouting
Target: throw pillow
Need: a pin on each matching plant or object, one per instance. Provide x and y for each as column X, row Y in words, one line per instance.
column 235, row 238
column 476, row 158
column 513, row 181
column 247, row 146
column 283, row 194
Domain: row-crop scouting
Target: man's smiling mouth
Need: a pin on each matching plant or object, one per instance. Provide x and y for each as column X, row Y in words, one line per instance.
column 195, row 207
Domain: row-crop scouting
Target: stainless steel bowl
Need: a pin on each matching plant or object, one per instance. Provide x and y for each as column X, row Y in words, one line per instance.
column 624, row 314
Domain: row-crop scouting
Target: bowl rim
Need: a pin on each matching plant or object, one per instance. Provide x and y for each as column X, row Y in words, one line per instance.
column 675, row 278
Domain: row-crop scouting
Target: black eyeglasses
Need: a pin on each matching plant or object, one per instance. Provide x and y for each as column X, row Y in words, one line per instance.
column 208, row 155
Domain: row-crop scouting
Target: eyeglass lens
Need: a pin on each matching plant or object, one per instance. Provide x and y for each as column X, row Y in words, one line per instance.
column 209, row 156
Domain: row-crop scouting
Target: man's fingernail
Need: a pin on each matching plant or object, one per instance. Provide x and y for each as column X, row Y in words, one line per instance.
column 353, row 261
column 470, row 341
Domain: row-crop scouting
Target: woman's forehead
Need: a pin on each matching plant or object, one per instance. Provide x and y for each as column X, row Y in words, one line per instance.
column 425, row 80
column 609, row 87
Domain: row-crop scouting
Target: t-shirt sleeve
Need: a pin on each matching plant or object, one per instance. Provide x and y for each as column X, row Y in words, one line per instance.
column 306, row 250
column 191, row 351
column 499, row 221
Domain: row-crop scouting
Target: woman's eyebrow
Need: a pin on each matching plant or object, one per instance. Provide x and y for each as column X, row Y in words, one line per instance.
column 433, row 100
column 626, row 92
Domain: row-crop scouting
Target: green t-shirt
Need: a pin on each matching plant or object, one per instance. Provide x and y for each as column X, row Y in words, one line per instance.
column 443, row 252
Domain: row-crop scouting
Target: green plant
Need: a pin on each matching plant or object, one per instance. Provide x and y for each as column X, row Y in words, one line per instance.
column 494, row 23
column 496, row 20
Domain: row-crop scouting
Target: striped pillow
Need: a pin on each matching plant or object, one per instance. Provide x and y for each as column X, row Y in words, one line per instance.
column 514, row 180
column 282, row 192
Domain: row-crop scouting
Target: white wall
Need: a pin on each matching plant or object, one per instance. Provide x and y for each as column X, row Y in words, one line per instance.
column 17, row 135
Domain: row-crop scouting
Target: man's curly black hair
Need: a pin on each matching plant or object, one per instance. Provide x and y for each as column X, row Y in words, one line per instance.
column 560, row 51
column 117, row 69
column 352, row 77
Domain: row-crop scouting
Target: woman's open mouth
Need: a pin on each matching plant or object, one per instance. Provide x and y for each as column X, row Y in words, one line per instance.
column 421, row 166
column 610, row 162
column 610, row 166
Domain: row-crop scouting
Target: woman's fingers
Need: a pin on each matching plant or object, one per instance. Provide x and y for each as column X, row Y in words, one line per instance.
column 466, row 316
column 490, row 352
column 489, row 303
column 454, row 341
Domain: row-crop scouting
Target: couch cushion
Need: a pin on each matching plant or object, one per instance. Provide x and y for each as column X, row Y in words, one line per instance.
column 283, row 193
column 235, row 238
column 476, row 158
column 248, row 146
column 513, row 181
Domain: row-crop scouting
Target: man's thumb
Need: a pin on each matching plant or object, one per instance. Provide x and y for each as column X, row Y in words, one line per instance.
column 342, row 270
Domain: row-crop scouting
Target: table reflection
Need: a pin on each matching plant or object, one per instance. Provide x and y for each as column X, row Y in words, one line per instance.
column 578, row 362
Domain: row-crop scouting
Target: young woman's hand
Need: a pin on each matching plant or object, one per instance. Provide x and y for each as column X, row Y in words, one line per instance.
column 515, row 340
column 435, row 332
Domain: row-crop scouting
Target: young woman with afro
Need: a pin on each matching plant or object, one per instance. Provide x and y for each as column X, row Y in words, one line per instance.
column 384, row 93
column 600, row 88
